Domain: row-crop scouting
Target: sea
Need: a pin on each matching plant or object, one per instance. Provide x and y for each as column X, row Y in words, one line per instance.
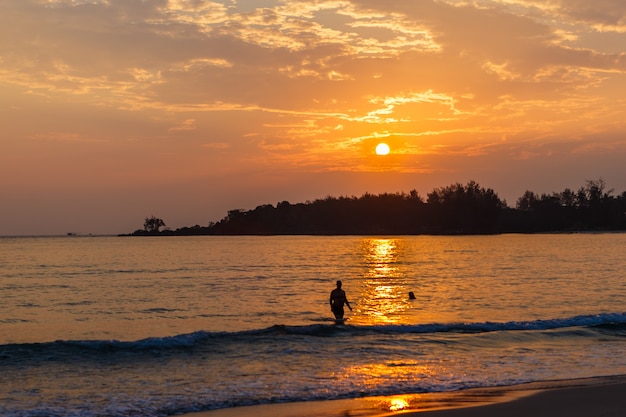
column 163, row 326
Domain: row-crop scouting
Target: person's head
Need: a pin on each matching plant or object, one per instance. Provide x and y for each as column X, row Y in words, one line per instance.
column 338, row 284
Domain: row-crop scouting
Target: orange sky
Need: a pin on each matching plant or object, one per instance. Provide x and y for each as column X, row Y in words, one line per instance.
column 115, row 110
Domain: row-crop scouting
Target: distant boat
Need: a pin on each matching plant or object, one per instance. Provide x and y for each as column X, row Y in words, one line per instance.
column 71, row 234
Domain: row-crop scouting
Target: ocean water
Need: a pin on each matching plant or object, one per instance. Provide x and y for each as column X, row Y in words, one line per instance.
column 121, row 326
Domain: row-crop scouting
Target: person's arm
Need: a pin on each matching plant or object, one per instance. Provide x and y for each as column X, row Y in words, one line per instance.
column 331, row 301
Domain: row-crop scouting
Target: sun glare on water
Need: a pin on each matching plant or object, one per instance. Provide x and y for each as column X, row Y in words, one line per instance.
column 398, row 404
column 382, row 149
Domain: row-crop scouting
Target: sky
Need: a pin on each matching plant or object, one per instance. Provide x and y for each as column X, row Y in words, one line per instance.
column 112, row 111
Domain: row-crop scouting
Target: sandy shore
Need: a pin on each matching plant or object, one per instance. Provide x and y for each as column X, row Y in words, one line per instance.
column 593, row 397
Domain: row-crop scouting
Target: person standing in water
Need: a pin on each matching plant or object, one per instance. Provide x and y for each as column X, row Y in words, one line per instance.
column 337, row 300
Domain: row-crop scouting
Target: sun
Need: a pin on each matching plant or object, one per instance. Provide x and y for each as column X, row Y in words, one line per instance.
column 382, row 149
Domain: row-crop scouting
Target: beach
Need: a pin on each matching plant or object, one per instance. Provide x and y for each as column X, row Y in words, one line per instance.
column 588, row 397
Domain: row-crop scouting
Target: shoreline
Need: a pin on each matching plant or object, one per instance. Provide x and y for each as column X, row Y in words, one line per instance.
column 586, row 397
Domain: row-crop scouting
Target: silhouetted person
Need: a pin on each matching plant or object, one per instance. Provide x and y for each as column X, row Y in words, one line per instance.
column 337, row 300
column 411, row 296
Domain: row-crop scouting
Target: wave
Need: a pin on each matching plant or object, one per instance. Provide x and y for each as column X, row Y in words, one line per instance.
column 615, row 323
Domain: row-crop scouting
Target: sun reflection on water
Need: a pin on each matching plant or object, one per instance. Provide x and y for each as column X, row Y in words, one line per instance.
column 381, row 257
column 383, row 294
column 397, row 404
column 371, row 376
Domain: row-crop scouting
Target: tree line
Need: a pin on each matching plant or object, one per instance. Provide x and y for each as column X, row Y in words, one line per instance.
column 455, row 209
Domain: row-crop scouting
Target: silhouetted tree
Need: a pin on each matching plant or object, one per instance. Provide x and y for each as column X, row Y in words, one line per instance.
column 596, row 204
column 527, row 202
column 456, row 209
column 465, row 209
column 153, row 224
column 567, row 198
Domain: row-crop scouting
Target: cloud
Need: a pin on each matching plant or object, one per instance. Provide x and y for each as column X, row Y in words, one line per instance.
column 603, row 15
column 180, row 89
column 185, row 125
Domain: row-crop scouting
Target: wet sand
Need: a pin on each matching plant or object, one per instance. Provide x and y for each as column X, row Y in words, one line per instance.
column 592, row 397
column 594, row 400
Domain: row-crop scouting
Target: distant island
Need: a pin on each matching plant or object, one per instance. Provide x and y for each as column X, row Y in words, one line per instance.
column 456, row 209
